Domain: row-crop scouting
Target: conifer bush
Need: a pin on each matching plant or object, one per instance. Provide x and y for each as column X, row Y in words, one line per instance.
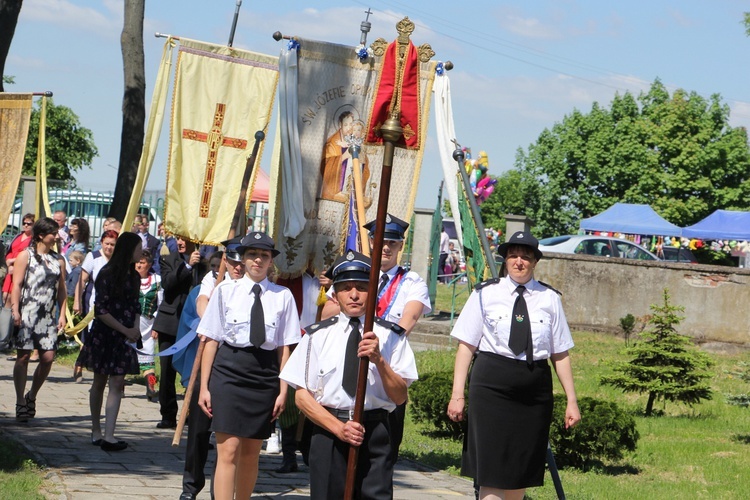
column 428, row 400
column 604, row 433
column 665, row 364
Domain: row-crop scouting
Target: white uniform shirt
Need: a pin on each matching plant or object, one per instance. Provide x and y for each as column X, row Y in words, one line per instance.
column 411, row 287
column 208, row 283
column 485, row 320
column 227, row 316
column 325, row 349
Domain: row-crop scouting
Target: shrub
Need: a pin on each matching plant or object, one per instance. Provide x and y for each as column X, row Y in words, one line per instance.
column 605, row 432
column 429, row 398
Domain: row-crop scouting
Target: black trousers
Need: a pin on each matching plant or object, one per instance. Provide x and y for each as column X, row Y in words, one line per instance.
column 167, row 393
column 196, row 451
column 396, row 424
column 328, row 460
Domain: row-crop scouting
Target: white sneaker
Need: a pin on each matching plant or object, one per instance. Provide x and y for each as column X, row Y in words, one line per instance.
column 272, row 446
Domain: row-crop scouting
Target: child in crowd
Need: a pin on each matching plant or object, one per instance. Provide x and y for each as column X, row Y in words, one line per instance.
column 75, row 259
column 149, row 297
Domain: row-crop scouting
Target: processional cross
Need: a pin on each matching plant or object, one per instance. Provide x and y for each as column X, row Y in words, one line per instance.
column 214, row 139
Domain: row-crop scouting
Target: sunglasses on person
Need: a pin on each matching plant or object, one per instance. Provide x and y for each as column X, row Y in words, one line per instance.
column 27, row 223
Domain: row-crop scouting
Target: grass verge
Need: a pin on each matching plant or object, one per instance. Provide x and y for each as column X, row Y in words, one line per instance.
column 683, row 452
column 20, row 476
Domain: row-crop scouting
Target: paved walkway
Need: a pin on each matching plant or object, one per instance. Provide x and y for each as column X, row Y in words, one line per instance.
column 151, row 468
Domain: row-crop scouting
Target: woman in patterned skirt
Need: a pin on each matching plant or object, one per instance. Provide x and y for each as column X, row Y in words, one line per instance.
column 106, row 351
column 38, row 302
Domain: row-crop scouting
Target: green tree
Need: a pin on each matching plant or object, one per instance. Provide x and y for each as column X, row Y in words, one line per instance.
column 675, row 152
column 665, row 364
column 69, row 146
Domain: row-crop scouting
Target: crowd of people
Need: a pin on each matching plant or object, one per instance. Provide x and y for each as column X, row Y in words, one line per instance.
column 270, row 351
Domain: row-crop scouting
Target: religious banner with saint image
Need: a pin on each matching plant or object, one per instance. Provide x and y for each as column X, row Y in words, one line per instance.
column 334, row 96
column 222, row 97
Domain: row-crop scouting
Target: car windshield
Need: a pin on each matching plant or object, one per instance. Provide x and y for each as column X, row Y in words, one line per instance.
column 555, row 240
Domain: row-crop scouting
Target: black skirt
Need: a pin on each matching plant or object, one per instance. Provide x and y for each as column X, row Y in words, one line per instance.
column 509, row 416
column 244, row 385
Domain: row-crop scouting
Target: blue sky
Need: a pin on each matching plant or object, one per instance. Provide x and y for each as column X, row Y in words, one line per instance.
column 519, row 66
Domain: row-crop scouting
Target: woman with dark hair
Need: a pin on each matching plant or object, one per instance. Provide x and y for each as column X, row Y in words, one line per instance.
column 38, row 286
column 83, row 300
column 79, row 238
column 106, row 351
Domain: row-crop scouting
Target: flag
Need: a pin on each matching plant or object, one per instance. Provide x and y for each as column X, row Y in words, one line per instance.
column 477, row 269
column 334, row 98
column 222, row 97
column 15, row 113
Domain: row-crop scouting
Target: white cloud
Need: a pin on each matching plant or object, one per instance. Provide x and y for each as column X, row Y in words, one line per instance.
column 66, row 14
column 528, row 27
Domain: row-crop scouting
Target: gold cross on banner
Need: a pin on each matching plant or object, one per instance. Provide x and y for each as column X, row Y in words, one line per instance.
column 214, row 139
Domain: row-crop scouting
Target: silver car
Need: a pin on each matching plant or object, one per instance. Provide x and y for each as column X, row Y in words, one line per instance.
column 601, row 246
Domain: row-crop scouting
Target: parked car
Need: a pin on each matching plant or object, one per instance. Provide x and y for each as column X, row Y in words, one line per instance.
column 681, row 254
column 601, row 246
column 91, row 206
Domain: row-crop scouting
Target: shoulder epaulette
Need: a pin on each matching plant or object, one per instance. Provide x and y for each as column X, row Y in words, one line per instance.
column 321, row 324
column 558, row 292
column 483, row 284
column 390, row 325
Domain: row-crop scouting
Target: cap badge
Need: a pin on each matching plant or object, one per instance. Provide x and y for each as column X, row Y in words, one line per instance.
column 350, row 256
column 257, row 236
column 388, row 218
column 520, row 236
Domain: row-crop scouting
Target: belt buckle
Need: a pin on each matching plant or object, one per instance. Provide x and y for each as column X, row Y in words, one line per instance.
column 351, row 414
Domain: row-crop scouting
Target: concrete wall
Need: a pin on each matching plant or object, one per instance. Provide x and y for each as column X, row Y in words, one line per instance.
column 597, row 292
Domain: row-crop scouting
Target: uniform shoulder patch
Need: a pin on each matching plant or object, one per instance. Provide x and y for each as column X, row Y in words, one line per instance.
column 390, row 325
column 321, row 325
column 483, row 284
column 558, row 292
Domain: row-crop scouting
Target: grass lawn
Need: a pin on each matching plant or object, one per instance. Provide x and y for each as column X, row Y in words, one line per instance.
column 20, row 477
column 699, row 452
column 445, row 294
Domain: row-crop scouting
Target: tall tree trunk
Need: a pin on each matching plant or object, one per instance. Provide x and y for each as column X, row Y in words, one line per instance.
column 9, row 10
column 133, row 106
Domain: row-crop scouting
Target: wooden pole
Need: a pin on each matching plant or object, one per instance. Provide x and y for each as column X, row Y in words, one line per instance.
column 359, row 196
column 391, row 132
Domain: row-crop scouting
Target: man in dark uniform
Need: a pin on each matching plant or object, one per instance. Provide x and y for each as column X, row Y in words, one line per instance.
column 324, row 368
column 180, row 272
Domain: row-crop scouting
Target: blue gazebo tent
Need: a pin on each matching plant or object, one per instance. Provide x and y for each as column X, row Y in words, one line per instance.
column 630, row 218
column 721, row 225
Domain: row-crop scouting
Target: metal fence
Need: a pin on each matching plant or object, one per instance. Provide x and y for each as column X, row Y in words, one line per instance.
column 94, row 206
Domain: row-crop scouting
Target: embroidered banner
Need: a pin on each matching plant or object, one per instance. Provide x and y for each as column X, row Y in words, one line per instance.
column 15, row 112
column 222, row 97
column 335, row 92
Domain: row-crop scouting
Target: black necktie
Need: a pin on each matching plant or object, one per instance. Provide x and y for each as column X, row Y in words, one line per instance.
column 520, row 327
column 383, row 282
column 257, row 320
column 351, row 361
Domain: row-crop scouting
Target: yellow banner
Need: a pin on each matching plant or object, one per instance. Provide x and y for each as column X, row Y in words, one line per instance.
column 222, row 97
column 15, row 112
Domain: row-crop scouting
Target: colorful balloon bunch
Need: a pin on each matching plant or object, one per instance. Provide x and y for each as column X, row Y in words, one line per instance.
column 482, row 185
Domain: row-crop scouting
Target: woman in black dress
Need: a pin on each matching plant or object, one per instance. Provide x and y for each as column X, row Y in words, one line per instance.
column 106, row 352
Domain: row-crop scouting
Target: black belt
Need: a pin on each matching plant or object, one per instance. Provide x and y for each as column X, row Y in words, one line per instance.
column 369, row 415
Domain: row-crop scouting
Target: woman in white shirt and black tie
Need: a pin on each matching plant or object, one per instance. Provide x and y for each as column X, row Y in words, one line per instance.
column 249, row 326
column 514, row 325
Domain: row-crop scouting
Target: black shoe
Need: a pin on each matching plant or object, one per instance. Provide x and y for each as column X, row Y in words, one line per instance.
column 167, row 424
column 118, row 446
column 187, row 496
column 287, row 467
